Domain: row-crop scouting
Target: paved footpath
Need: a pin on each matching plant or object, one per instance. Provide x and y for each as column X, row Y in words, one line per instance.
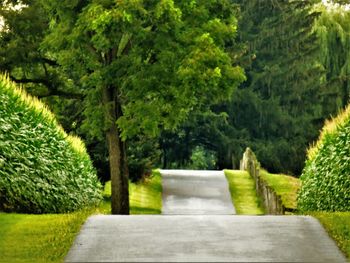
column 188, row 192
column 210, row 233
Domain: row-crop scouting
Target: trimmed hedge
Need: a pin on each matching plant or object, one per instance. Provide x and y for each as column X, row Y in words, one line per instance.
column 42, row 169
column 326, row 176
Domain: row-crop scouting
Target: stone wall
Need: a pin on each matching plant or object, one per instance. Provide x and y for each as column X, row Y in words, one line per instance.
column 271, row 201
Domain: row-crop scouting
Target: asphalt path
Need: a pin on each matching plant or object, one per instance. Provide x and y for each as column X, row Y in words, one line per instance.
column 188, row 192
column 210, row 234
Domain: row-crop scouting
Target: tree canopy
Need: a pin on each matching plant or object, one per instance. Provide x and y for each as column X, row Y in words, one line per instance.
column 145, row 65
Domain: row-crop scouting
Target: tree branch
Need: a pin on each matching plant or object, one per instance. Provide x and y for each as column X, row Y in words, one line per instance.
column 52, row 90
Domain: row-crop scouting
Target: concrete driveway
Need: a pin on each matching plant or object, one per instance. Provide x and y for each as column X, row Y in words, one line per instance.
column 212, row 234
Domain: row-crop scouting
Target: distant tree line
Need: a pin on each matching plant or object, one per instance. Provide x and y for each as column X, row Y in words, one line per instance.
column 296, row 57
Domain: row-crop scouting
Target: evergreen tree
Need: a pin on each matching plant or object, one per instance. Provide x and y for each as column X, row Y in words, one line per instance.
column 279, row 105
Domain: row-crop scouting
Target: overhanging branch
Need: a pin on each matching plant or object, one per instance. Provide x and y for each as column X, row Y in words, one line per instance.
column 52, row 90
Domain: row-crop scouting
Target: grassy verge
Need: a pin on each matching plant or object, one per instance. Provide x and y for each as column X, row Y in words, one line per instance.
column 242, row 189
column 39, row 238
column 337, row 224
column 48, row 238
column 285, row 186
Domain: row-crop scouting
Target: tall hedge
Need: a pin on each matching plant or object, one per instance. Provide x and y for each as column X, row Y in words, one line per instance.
column 326, row 176
column 42, row 169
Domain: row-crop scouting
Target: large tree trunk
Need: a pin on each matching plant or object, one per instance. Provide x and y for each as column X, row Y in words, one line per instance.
column 117, row 154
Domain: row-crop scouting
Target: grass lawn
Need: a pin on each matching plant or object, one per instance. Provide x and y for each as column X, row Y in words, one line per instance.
column 285, row 186
column 242, row 189
column 47, row 238
column 38, row 238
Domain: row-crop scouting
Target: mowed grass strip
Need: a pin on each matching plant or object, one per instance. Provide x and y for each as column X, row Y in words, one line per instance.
column 285, row 186
column 243, row 194
column 48, row 238
column 38, row 238
column 146, row 196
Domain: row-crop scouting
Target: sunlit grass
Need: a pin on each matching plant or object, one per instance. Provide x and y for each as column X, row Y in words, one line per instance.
column 146, row 196
column 285, row 186
column 38, row 238
column 243, row 194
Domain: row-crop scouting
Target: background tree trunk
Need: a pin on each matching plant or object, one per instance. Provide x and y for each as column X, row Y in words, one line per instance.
column 124, row 171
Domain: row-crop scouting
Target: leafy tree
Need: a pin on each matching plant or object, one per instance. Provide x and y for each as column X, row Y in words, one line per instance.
column 25, row 26
column 143, row 66
column 333, row 31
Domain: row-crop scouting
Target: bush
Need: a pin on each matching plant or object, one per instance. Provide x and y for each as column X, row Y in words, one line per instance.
column 202, row 158
column 42, row 169
column 326, row 176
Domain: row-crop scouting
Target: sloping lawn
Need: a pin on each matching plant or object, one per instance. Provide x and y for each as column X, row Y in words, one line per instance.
column 242, row 189
column 285, row 186
column 48, row 238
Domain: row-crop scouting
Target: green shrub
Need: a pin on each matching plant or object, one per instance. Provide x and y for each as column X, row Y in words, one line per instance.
column 326, row 176
column 42, row 169
column 202, row 158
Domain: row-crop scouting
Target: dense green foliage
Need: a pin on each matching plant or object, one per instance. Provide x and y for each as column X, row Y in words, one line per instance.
column 277, row 109
column 123, row 54
column 333, row 32
column 208, row 131
column 189, row 47
column 143, row 154
column 43, row 170
column 326, row 176
column 296, row 57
